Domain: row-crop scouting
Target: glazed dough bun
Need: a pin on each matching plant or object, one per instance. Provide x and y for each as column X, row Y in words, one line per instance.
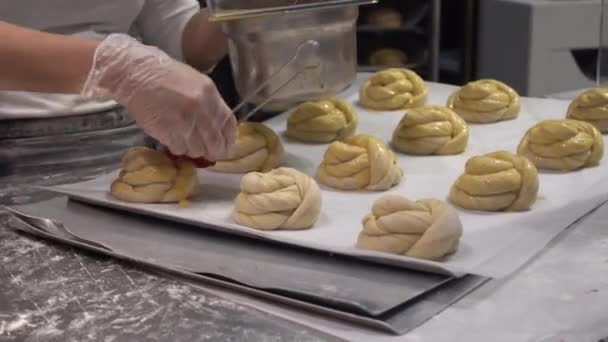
column 431, row 130
column 322, row 121
column 393, row 89
column 563, row 145
column 498, row 181
column 591, row 106
column 485, row 101
column 150, row 176
column 257, row 148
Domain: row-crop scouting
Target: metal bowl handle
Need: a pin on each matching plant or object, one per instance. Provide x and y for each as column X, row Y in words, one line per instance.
column 224, row 14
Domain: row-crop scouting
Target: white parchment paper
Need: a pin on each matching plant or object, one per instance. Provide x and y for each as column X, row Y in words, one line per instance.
column 493, row 244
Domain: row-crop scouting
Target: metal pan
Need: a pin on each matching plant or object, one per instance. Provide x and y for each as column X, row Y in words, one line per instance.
column 338, row 287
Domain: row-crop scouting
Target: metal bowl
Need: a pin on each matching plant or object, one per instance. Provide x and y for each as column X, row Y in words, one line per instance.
column 260, row 46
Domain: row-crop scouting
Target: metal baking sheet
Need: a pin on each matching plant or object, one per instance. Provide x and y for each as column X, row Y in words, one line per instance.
column 493, row 244
column 390, row 299
column 317, row 276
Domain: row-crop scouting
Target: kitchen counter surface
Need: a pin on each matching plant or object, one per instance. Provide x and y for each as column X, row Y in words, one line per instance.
column 50, row 292
column 560, row 296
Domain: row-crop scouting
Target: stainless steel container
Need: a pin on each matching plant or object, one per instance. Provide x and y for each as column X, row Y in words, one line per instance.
column 261, row 46
column 48, row 145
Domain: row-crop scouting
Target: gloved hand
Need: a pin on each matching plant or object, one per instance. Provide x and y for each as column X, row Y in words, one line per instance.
column 169, row 100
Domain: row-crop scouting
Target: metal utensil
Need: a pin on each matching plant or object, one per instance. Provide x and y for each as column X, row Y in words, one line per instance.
column 602, row 50
column 51, row 227
column 306, row 58
column 261, row 46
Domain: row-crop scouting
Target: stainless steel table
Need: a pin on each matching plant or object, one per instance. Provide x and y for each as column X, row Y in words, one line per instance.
column 54, row 293
column 561, row 296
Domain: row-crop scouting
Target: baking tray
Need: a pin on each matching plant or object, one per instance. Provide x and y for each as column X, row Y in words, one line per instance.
column 493, row 244
column 386, row 298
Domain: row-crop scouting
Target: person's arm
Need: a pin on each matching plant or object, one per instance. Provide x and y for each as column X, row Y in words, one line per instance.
column 35, row 61
column 169, row 100
column 182, row 29
column 204, row 43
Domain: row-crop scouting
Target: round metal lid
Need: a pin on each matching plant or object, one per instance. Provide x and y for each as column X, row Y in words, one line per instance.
column 31, row 128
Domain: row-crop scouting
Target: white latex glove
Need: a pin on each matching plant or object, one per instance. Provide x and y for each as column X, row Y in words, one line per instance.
column 169, row 100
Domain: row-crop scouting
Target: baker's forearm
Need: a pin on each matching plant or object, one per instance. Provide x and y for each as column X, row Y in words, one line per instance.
column 35, row 61
column 204, row 43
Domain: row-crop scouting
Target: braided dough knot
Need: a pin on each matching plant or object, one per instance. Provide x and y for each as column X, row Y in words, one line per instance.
column 150, row 176
column 564, row 145
column 591, row 106
column 498, row 181
column 485, row 101
column 427, row 229
column 283, row 198
column 394, row 89
column 257, row 148
column 360, row 162
column 431, row 130
column 322, row 121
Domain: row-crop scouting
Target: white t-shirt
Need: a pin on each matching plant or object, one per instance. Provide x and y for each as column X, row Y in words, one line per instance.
column 154, row 22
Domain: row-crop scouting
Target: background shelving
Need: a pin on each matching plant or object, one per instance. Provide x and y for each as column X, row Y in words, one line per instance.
column 436, row 36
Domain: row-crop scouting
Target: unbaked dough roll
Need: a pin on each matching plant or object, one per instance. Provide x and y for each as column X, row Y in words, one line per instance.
column 431, row 130
column 426, row 229
column 150, row 176
column 563, row 145
column 384, row 17
column 393, row 89
column 591, row 106
column 283, row 198
column 322, row 121
column 485, row 101
column 257, row 148
column 498, row 181
column 388, row 57
column 359, row 163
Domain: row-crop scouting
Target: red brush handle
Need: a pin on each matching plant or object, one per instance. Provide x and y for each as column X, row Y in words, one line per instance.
column 200, row 163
